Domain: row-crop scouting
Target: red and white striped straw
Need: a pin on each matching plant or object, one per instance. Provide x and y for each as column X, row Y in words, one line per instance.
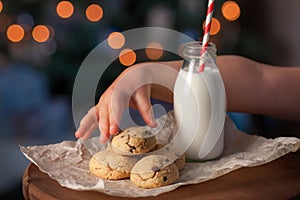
column 205, row 41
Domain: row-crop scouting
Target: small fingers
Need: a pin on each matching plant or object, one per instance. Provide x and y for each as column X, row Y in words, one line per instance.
column 115, row 118
column 143, row 105
column 116, row 107
column 89, row 132
column 103, row 124
column 87, row 125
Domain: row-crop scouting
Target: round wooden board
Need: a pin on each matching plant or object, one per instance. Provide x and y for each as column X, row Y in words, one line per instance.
column 279, row 179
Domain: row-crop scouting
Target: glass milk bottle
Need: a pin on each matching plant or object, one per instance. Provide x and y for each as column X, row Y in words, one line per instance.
column 199, row 104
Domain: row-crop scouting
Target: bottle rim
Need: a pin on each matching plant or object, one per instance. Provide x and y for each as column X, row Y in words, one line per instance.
column 198, row 45
column 194, row 49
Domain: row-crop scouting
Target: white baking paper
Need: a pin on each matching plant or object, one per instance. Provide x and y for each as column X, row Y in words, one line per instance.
column 68, row 162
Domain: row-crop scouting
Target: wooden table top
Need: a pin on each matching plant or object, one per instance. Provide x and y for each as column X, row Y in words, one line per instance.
column 279, row 179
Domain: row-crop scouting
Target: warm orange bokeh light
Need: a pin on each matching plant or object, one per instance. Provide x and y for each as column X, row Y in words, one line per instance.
column 215, row 26
column 65, row 9
column 231, row 10
column 94, row 12
column 15, row 33
column 1, row 6
column 154, row 50
column 127, row 57
column 116, row 40
column 40, row 33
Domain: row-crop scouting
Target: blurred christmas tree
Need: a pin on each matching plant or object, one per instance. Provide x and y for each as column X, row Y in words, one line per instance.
column 72, row 34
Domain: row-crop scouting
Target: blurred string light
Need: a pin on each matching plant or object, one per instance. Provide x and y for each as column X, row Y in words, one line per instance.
column 65, row 9
column 1, row 6
column 215, row 26
column 40, row 33
column 94, row 12
column 52, row 32
column 26, row 21
column 49, row 47
column 154, row 51
column 231, row 10
column 116, row 40
column 127, row 57
column 15, row 33
column 25, row 18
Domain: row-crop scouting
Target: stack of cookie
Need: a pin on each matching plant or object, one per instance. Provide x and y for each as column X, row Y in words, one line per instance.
column 135, row 154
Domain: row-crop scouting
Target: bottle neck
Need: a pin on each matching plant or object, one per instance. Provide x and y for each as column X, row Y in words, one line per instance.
column 194, row 51
column 196, row 57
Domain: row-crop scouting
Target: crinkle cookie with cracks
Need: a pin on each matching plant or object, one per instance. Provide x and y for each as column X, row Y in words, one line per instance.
column 133, row 140
column 154, row 171
column 108, row 165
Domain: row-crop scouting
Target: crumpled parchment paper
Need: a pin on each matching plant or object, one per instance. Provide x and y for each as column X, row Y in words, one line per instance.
column 68, row 162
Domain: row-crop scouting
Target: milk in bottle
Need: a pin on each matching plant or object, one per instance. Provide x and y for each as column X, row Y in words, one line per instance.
column 199, row 105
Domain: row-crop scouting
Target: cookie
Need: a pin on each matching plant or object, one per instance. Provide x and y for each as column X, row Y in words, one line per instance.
column 154, row 171
column 133, row 140
column 108, row 165
column 171, row 152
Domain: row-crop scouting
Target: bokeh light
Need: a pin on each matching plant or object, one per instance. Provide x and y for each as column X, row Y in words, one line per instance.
column 94, row 12
column 52, row 32
column 154, row 50
column 127, row 57
column 1, row 6
column 231, row 10
column 40, row 33
column 48, row 48
column 116, row 40
column 26, row 20
column 65, row 9
column 15, row 33
column 215, row 26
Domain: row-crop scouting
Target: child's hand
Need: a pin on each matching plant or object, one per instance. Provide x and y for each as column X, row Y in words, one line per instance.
column 131, row 88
